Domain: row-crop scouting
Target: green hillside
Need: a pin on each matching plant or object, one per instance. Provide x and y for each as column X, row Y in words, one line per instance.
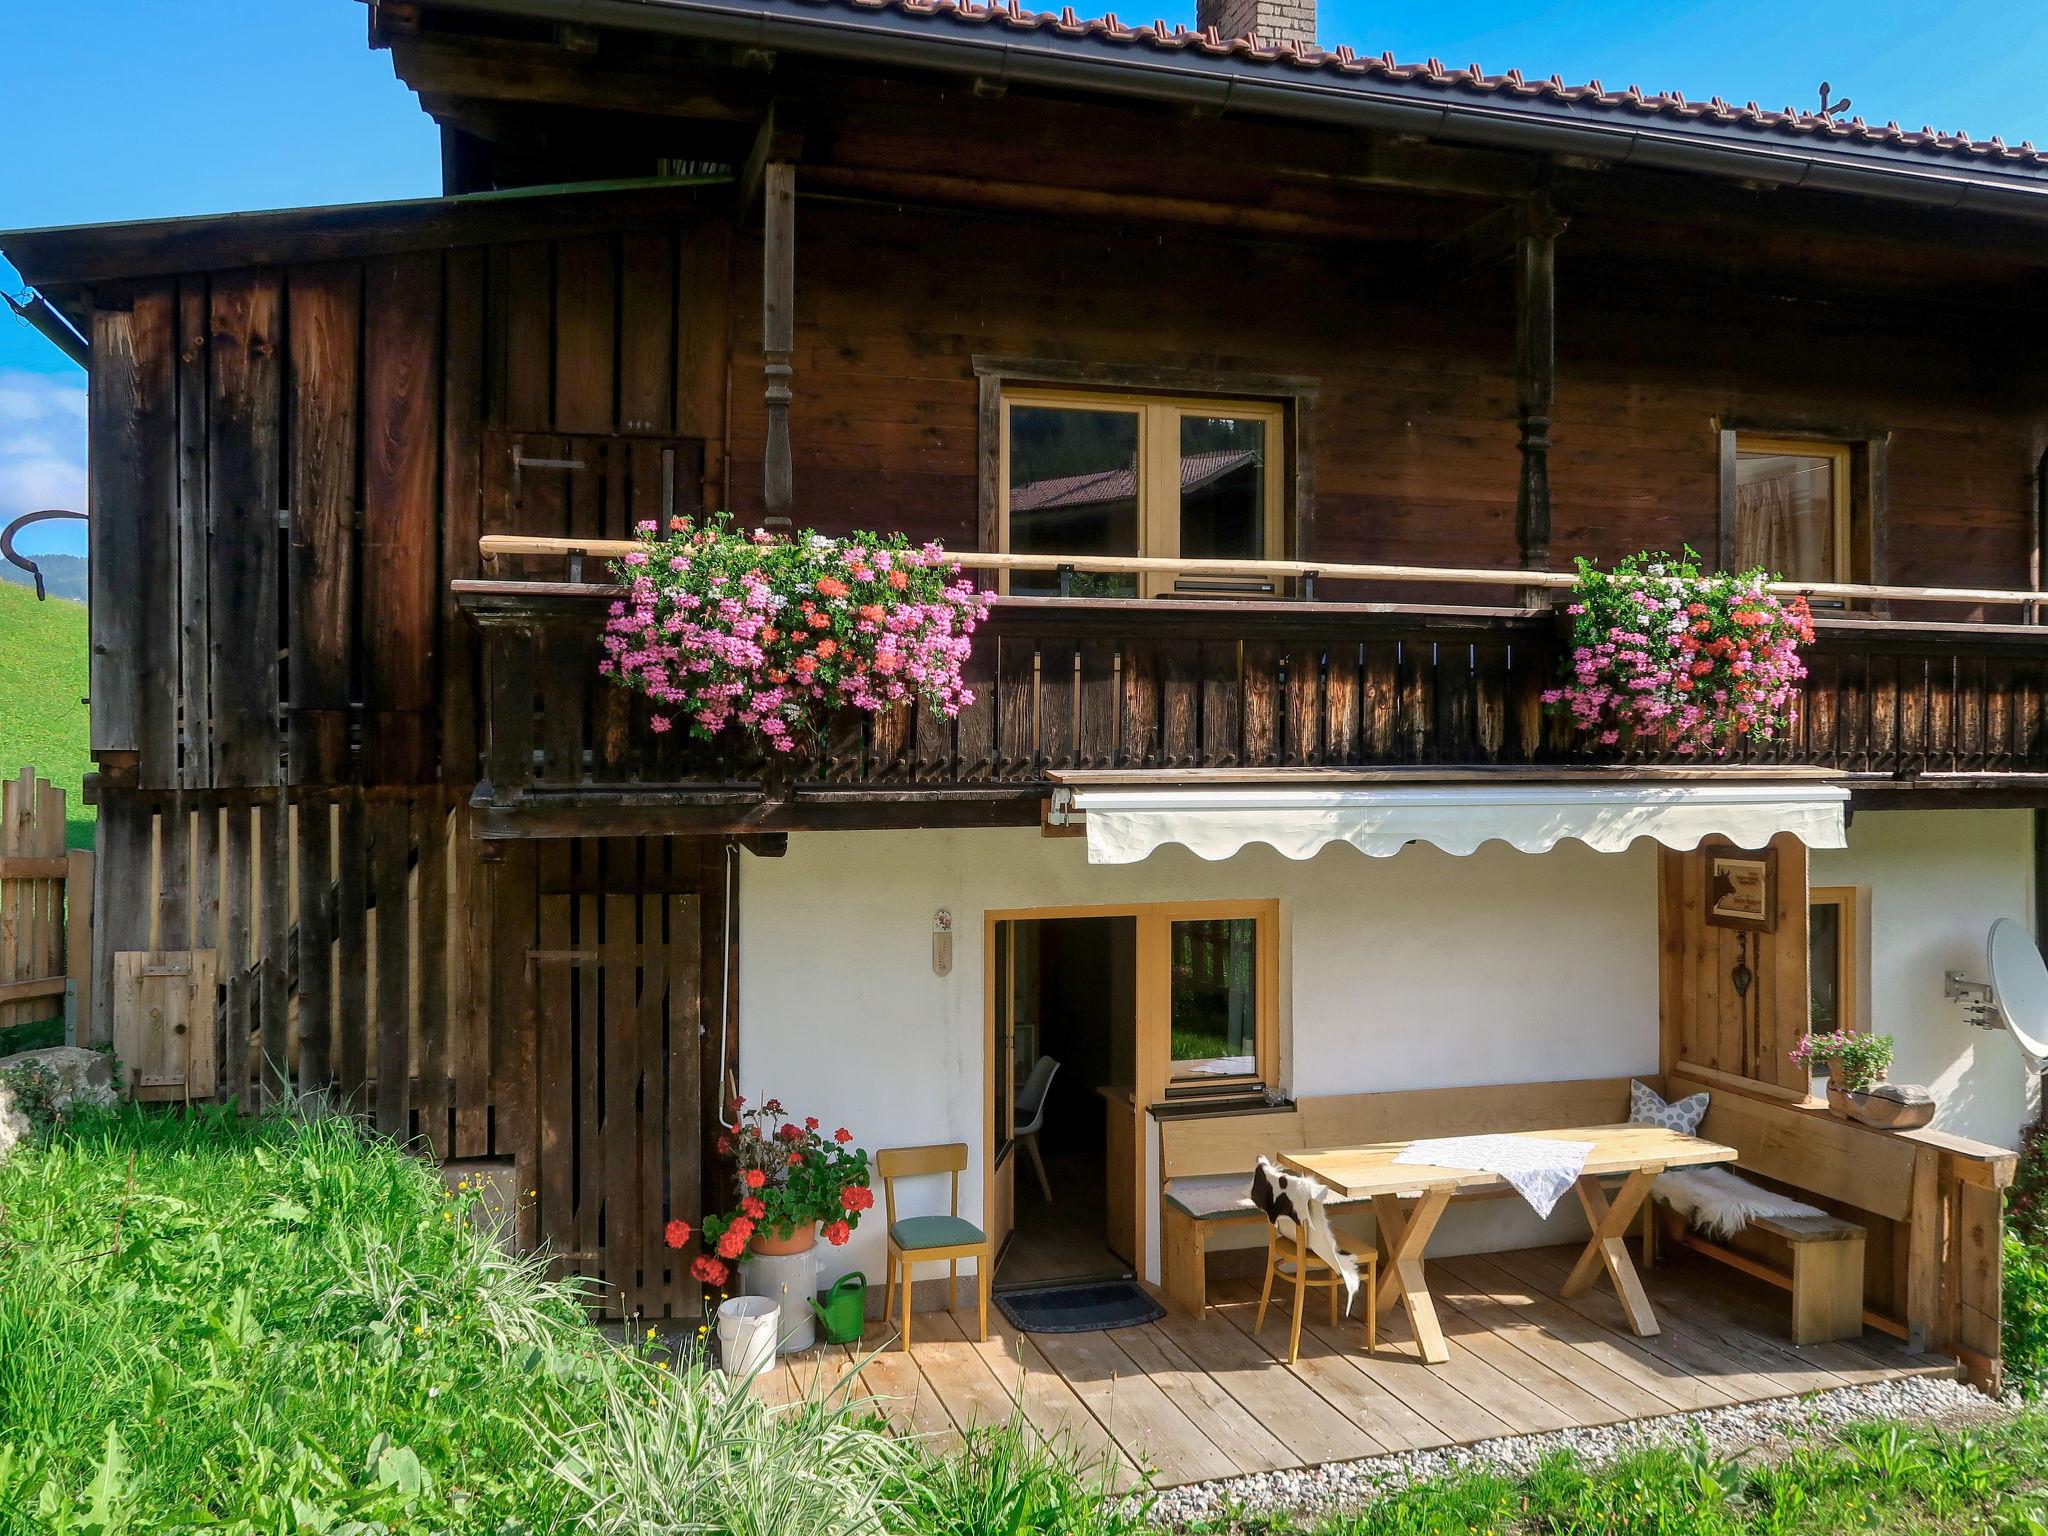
column 42, row 691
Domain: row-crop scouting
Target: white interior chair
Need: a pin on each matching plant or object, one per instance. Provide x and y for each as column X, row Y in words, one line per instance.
column 1031, row 1115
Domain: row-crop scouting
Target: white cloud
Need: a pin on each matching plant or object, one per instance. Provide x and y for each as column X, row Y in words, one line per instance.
column 42, row 443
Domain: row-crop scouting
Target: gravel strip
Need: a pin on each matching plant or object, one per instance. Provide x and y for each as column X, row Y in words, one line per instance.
column 1730, row 1431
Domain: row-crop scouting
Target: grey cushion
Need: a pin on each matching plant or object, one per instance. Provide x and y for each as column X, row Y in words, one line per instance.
column 1208, row 1196
column 1646, row 1106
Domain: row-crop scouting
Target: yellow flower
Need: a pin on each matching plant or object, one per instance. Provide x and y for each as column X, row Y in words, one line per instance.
column 650, row 1333
column 661, row 1365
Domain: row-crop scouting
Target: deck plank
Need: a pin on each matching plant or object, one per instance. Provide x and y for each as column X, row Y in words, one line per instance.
column 1248, row 1372
column 1231, row 1428
column 1620, row 1353
column 1133, row 1409
column 1677, row 1345
column 1618, row 1393
column 1684, row 1315
column 1184, row 1401
column 1330, row 1364
column 1050, row 1406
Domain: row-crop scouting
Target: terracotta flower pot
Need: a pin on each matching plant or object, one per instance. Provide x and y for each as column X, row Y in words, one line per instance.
column 800, row 1240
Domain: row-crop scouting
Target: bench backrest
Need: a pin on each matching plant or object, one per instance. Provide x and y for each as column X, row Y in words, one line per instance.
column 1196, row 1147
column 1359, row 1118
column 1814, row 1152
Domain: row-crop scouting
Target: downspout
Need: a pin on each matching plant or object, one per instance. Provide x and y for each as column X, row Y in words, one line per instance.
column 42, row 314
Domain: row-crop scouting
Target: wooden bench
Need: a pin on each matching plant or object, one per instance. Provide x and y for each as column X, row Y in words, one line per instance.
column 1819, row 1259
column 1206, row 1162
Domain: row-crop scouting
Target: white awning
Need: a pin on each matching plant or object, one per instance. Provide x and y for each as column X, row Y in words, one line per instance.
column 1125, row 824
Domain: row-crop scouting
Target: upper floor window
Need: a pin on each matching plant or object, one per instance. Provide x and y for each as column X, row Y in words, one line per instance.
column 1834, row 957
column 1792, row 511
column 1110, row 474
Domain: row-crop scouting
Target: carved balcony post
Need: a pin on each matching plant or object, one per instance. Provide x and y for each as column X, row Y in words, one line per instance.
column 1535, row 381
column 778, row 330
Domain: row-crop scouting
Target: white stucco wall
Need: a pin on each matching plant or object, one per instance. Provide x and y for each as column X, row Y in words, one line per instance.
column 1933, row 883
column 1419, row 971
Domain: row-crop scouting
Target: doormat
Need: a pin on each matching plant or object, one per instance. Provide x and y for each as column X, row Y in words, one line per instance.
column 1085, row 1308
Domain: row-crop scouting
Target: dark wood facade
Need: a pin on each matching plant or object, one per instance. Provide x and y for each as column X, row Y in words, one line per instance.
column 317, row 709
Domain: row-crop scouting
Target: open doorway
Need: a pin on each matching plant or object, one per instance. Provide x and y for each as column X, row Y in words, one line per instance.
column 1065, row 1044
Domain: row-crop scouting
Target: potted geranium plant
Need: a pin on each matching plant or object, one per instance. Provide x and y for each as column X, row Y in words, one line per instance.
column 1668, row 656
column 790, row 1181
column 766, row 636
column 1856, row 1066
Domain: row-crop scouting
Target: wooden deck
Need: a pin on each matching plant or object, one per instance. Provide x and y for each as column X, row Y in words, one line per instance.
column 1185, row 1402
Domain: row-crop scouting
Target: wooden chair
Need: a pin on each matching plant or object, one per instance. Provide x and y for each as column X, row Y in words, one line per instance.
column 926, row 1239
column 1290, row 1258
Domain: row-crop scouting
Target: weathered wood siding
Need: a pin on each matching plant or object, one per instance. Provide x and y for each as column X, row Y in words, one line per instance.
column 1414, row 449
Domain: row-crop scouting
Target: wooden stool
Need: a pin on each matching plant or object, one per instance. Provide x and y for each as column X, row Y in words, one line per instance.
column 1290, row 1258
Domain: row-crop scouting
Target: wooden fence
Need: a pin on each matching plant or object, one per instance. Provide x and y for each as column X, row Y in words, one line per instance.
column 45, row 905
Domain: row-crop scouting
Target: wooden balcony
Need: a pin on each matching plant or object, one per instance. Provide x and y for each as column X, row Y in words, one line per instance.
column 1944, row 712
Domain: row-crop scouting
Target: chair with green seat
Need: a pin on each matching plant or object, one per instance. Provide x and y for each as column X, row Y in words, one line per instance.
column 927, row 1239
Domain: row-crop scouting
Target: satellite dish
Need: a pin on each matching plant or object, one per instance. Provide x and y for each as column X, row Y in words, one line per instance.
column 2019, row 982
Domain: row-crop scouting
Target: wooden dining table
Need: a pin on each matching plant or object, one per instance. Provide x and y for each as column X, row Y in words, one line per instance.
column 1408, row 1199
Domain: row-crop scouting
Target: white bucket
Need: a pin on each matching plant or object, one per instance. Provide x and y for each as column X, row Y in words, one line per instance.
column 746, row 1334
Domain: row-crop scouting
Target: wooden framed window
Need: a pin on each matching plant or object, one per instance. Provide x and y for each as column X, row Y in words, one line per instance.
column 1834, row 957
column 1087, row 472
column 1208, row 998
column 1807, row 504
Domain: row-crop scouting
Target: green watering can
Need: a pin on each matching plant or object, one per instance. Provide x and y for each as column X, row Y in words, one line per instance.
column 843, row 1309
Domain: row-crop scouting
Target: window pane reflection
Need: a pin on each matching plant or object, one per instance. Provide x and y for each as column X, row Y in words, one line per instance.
column 1222, row 488
column 1785, row 514
column 1214, row 1001
column 1073, row 491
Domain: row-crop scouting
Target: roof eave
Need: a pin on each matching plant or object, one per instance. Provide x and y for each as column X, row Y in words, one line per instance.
column 1301, row 92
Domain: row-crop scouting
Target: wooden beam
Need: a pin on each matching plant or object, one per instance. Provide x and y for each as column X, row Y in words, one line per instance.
column 1535, row 376
column 150, row 247
column 1487, row 242
column 778, row 330
column 533, row 74
column 780, row 136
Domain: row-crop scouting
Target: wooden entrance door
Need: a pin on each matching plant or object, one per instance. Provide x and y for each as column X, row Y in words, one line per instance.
column 616, row 990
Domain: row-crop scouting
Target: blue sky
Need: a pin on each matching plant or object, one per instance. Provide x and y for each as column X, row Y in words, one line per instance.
column 126, row 109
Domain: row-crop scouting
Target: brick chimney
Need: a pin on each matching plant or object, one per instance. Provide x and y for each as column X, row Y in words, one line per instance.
column 1276, row 21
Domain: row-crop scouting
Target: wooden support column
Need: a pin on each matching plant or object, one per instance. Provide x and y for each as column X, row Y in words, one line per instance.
column 1535, row 380
column 778, row 329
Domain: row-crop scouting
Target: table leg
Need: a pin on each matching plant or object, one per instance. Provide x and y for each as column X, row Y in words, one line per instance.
column 1404, row 1233
column 1605, row 1249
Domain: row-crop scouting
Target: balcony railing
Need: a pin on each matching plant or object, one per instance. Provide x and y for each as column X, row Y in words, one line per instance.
column 1195, row 684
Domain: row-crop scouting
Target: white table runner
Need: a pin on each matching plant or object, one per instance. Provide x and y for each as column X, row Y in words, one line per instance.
column 1541, row 1170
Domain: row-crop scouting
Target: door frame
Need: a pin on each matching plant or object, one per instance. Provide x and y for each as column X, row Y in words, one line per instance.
column 1152, row 987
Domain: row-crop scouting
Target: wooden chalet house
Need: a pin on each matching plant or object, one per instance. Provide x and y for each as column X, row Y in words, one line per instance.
column 1391, row 340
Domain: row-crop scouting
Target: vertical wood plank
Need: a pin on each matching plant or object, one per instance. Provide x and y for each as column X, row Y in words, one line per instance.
column 121, row 899
column 649, row 1110
column 273, row 927
column 647, row 365
column 462, row 410
column 326, row 314
column 194, row 537
column 352, row 959
column 621, row 1087
column 430, row 1073
column 237, row 954
column 528, row 323
column 401, row 471
column 586, row 322
column 555, row 1148
column 703, row 345
column 315, row 835
column 243, row 486
column 469, row 998
column 390, row 850
column 685, row 1074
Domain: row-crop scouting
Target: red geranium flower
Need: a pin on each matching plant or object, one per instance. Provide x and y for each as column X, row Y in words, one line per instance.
column 708, row 1270
column 755, row 1178
column 730, row 1244
column 857, row 1197
column 743, row 1225
column 842, row 1135
column 810, row 1122
column 754, row 1208
column 676, row 1233
column 790, row 1133
column 796, row 1159
column 837, row 1234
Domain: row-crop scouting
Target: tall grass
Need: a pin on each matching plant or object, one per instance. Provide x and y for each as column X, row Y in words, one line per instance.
column 262, row 1325
column 209, row 1322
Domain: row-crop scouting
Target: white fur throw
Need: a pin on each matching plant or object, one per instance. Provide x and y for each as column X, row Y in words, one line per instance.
column 1303, row 1204
column 1721, row 1203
